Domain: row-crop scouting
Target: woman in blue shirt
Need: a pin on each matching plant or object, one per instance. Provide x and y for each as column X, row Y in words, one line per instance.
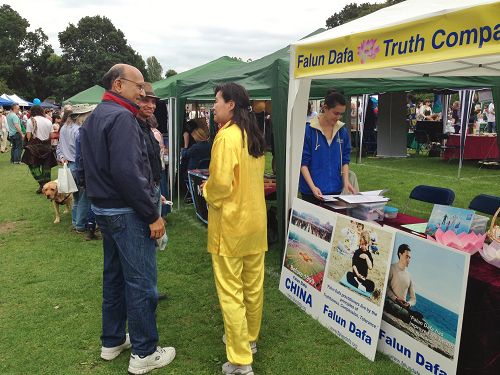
column 326, row 152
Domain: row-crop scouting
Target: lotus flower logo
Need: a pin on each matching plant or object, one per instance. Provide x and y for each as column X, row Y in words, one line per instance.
column 368, row 49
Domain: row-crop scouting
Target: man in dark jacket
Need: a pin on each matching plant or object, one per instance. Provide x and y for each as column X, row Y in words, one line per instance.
column 120, row 187
column 146, row 111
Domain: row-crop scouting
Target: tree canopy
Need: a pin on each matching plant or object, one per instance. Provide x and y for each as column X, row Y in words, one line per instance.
column 154, row 69
column 352, row 11
column 30, row 67
column 90, row 48
column 170, row 73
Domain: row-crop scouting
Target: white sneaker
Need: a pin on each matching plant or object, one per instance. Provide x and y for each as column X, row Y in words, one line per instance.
column 161, row 357
column 229, row 369
column 253, row 344
column 111, row 353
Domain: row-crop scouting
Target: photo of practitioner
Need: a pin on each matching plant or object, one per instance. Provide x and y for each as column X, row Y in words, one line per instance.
column 362, row 261
column 326, row 152
column 237, row 231
column 400, row 287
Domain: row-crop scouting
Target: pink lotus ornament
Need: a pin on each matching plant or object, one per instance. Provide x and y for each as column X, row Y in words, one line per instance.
column 467, row 242
column 368, row 49
column 491, row 253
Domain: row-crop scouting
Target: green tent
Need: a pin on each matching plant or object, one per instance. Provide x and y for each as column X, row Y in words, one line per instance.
column 167, row 88
column 92, row 95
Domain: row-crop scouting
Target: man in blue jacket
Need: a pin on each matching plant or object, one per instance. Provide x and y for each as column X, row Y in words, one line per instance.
column 120, row 187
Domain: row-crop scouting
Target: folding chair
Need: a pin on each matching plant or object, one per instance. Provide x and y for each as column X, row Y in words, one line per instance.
column 422, row 140
column 487, row 204
column 431, row 194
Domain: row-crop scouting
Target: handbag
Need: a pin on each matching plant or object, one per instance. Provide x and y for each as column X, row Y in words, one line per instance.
column 65, row 181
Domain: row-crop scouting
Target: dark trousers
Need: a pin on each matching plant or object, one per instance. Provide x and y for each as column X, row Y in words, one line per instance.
column 368, row 284
column 17, row 148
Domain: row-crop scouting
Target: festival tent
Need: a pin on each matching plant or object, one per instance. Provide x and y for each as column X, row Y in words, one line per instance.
column 46, row 104
column 16, row 99
column 92, row 95
column 167, row 88
column 5, row 102
column 416, row 38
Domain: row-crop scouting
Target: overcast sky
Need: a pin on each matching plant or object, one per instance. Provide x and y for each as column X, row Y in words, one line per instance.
column 186, row 34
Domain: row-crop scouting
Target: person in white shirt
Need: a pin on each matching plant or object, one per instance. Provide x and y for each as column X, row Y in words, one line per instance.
column 490, row 115
column 400, row 286
column 3, row 131
column 426, row 110
column 38, row 154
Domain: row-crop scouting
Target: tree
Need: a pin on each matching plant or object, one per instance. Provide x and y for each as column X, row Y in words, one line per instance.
column 90, row 48
column 352, row 11
column 4, row 89
column 170, row 73
column 154, row 69
column 24, row 58
column 12, row 33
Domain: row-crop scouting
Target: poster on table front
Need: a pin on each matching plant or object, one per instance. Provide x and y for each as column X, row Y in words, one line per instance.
column 307, row 247
column 355, row 282
column 424, row 306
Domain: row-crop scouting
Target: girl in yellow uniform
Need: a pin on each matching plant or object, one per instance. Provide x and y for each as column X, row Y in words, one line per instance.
column 237, row 224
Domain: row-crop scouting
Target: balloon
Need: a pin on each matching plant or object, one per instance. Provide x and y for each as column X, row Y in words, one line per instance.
column 37, row 101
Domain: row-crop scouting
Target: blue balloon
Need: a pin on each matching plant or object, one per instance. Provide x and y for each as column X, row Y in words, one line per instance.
column 37, row 101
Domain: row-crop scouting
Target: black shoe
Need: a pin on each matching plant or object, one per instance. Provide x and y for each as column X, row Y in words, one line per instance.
column 91, row 235
column 162, row 296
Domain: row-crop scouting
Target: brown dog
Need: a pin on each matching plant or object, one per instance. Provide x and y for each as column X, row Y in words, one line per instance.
column 50, row 192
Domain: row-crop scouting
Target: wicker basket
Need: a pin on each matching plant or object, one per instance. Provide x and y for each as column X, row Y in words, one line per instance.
column 494, row 231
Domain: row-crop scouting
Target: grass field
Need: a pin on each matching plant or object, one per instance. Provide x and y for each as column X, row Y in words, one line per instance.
column 50, row 287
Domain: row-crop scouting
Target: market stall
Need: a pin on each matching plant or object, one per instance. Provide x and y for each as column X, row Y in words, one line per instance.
column 410, row 39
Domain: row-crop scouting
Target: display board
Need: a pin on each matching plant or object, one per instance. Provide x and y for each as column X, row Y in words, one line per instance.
column 335, row 268
column 423, row 334
column 377, row 288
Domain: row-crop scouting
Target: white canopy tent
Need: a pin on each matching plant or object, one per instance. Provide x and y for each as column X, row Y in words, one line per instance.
column 17, row 99
column 411, row 39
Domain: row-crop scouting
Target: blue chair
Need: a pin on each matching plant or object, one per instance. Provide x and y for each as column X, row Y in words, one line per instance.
column 432, row 194
column 487, row 204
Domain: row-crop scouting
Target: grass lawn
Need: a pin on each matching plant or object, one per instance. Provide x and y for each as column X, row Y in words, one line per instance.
column 50, row 294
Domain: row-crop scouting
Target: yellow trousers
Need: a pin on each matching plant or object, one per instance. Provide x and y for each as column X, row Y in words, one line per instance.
column 240, row 287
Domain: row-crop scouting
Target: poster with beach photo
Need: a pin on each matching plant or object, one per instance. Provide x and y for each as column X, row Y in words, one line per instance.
column 355, row 282
column 424, row 306
column 306, row 253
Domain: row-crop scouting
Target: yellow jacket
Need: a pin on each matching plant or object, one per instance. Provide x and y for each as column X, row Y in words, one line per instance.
column 237, row 221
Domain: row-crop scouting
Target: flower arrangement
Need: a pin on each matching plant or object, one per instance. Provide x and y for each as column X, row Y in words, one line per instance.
column 468, row 242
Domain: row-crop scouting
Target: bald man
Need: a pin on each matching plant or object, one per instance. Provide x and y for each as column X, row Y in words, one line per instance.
column 120, row 186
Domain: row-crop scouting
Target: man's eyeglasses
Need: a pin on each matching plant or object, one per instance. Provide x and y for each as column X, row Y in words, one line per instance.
column 140, row 86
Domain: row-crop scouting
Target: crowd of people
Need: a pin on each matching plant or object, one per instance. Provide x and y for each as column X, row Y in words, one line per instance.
column 115, row 154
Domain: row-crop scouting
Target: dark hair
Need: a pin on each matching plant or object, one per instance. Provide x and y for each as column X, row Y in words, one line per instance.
column 190, row 126
column 402, row 248
column 36, row 110
column 309, row 108
column 243, row 116
column 55, row 116
column 334, row 98
column 111, row 75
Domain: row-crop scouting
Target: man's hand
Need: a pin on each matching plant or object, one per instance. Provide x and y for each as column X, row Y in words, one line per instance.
column 157, row 229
